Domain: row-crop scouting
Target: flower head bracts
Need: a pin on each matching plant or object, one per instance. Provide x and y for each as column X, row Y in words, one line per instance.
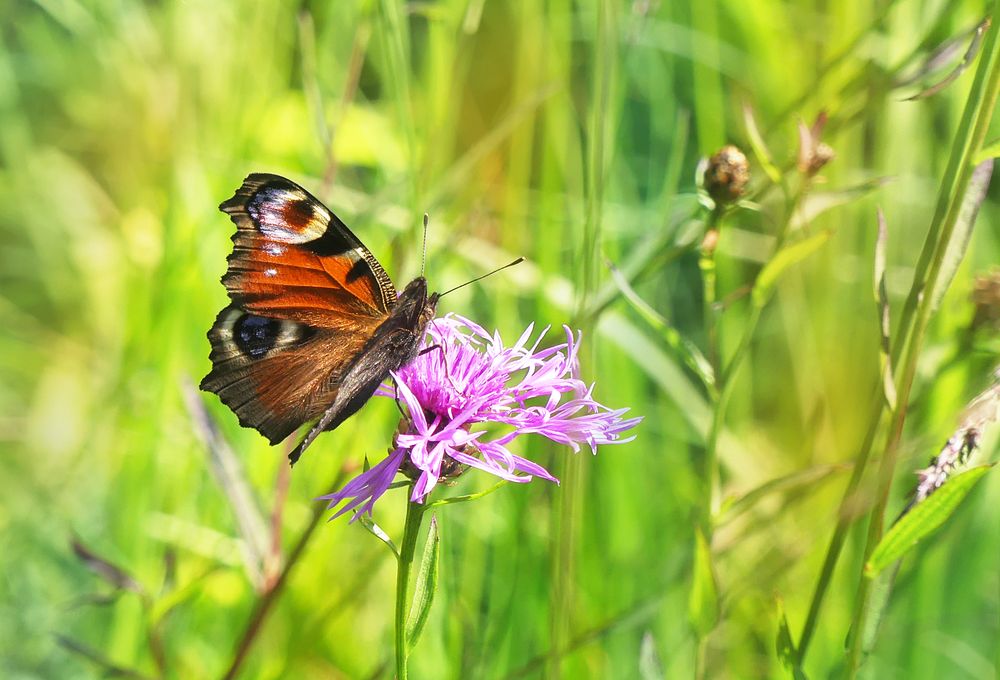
column 466, row 377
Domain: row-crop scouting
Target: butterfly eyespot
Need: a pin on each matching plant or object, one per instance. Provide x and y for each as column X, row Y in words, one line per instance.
column 287, row 215
column 255, row 336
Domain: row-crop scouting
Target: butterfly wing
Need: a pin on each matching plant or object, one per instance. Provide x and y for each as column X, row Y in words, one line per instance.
column 306, row 297
column 294, row 259
column 276, row 374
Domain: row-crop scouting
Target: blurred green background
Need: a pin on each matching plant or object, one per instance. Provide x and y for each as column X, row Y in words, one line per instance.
column 564, row 132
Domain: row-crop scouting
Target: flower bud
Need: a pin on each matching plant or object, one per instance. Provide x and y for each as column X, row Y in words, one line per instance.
column 813, row 153
column 986, row 298
column 726, row 175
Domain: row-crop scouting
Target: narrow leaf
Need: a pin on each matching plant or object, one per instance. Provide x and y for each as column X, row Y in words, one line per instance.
column 377, row 531
column 426, row 584
column 882, row 301
column 733, row 507
column 967, row 58
column 955, row 250
column 110, row 669
column 650, row 666
column 784, row 645
column 658, row 247
column 878, row 605
column 231, row 478
column 110, row 572
column 703, row 605
column 783, row 260
column 684, row 348
column 818, row 202
column 923, row 519
column 758, row 146
column 467, row 497
column 991, row 150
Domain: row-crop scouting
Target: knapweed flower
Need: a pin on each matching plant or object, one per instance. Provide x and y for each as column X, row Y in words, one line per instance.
column 466, row 379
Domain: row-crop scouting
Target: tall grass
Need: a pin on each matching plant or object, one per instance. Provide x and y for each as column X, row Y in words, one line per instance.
column 568, row 133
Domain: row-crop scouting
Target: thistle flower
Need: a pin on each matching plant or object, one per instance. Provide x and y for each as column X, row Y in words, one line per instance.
column 465, row 379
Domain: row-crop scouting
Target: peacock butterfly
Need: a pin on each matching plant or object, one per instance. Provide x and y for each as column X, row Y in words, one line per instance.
column 314, row 324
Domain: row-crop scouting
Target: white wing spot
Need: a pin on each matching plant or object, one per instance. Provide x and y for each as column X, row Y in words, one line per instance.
column 274, row 249
column 270, row 271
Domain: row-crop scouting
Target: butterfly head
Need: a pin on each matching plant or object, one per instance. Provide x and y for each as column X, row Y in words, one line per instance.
column 416, row 307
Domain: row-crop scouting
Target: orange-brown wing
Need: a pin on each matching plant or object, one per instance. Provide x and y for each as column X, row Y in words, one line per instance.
column 277, row 374
column 294, row 259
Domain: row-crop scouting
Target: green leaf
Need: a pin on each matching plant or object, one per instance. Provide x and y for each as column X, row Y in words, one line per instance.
column 110, row 572
column 990, row 150
column 734, row 506
column 882, row 300
column 818, row 202
column 426, row 584
column 230, row 475
column 781, row 262
column 878, row 604
column 784, row 645
column 650, row 666
column 467, row 497
column 703, row 605
column 967, row 59
column 681, row 346
column 923, row 519
column 955, row 250
column 758, row 146
column 377, row 531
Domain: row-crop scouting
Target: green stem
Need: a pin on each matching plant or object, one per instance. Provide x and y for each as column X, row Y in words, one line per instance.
column 844, row 521
column 918, row 309
column 411, row 528
column 706, row 263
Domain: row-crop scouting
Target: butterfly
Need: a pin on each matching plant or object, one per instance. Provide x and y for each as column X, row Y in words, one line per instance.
column 314, row 324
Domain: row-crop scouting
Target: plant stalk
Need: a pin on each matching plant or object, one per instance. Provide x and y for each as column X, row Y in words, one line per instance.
column 969, row 139
column 411, row 528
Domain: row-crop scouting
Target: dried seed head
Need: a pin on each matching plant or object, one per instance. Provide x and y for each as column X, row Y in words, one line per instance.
column 727, row 175
column 986, row 298
column 813, row 153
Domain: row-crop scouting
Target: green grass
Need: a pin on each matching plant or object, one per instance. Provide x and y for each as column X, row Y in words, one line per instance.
column 566, row 133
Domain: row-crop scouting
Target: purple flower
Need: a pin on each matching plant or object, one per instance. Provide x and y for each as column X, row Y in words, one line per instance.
column 468, row 379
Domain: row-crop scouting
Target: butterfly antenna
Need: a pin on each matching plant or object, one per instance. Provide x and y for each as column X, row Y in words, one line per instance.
column 423, row 256
column 480, row 278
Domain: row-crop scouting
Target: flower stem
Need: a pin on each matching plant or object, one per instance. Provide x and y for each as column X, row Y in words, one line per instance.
column 706, row 263
column 407, row 548
column 919, row 305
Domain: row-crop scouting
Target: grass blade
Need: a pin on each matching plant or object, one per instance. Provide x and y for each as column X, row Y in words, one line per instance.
column 882, row 300
column 650, row 666
column 703, row 605
column 229, row 474
column 783, row 260
column 962, row 234
column 967, row 59
column 107, row 570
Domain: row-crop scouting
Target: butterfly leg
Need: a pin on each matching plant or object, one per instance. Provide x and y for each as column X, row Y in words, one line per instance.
column 395, row 397
column 444, row 360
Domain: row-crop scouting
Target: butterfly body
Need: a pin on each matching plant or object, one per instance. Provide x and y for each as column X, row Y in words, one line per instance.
column 315, row 324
